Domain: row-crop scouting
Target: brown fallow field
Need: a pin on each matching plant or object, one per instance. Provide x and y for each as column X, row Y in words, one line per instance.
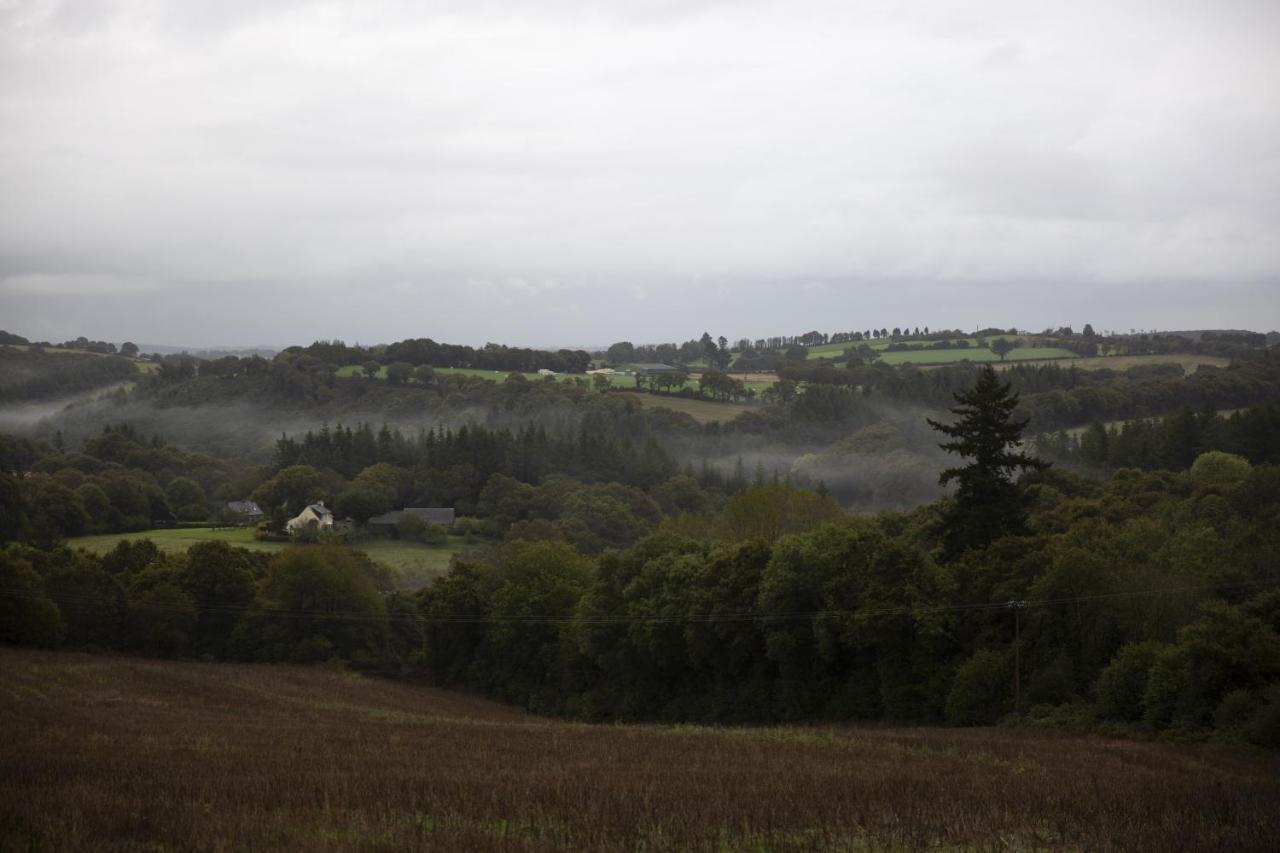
column 113, row 753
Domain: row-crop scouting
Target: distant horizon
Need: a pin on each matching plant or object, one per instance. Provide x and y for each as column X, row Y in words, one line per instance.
column 547, row 171
column 147, row 347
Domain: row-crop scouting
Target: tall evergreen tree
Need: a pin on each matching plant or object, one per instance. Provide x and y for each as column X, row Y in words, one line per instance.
column 988, row 502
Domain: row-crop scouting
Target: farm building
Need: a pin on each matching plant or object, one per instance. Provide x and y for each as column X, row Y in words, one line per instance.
column 429, row 514
column 317, row 512
column 245, row 511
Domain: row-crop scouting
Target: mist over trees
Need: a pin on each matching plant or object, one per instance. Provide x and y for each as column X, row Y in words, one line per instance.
column 799, row 560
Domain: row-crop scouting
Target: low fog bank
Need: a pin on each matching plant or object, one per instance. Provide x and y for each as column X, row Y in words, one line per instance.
column 891, row 463
column 888, row 460
column 32, row 418
column 227, row 429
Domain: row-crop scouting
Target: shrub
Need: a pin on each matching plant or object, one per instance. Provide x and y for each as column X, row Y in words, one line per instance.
column 980, row 691
column 1264, row 727
column 414, row 529
column 26, row 614
column 1220, row 468
column 1235, row 710
column 1122, row 685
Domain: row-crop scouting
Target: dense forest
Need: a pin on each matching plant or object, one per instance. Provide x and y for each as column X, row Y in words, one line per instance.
column 801, row 560
column 1149, row 601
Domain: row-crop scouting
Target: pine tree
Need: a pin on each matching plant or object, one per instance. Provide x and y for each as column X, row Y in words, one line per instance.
column 988, row 502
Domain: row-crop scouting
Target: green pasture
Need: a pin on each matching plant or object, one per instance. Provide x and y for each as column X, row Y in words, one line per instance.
column 349, row 370
column 836, row 350
column 1187, row 361
column 415, row 564
column 702, row 411
column 951, row 356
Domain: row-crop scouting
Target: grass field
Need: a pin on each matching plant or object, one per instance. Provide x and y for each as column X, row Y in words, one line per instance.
column 702, row 411
column 830, row 350
column 944, row 356
column 415, row 564
column 349, row 370
column 1188, row 361
column 113, row 753
column 952, row 356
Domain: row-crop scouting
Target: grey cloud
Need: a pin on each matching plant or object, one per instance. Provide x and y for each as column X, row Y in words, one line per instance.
column 641, row 156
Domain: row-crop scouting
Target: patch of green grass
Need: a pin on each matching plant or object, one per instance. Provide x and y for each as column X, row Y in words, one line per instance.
column 837, row 350
column 415, row 564
column 702, row 411
column 349, row 370
column 178, row 539
column 951, row 356
column 1188, row 361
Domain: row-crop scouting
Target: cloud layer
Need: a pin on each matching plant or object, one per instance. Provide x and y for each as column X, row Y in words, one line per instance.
column 580, row 172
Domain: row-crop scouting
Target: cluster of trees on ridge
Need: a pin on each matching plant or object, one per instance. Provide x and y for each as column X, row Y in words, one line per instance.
column 1171, row 443
column 28, row 374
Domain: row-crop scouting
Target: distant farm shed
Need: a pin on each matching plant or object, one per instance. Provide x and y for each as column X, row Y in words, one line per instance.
column 430, row 514
column 248, row 510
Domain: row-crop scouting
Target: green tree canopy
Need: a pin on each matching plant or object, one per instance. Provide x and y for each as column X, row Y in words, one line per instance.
column 988, row 503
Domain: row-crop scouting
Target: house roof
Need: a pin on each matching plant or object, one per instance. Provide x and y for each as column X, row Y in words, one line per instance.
column 433, row 514
column 245, row 507
column 319, row 509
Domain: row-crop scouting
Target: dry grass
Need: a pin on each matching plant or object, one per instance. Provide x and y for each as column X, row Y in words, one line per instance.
column 702, row 411
column 125, row 754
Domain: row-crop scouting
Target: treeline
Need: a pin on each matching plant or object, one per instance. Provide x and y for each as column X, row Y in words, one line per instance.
column 33, row 374
column 118, row 481
column 122, row 480
column 446, row 467
column 297, row 378
column 1053, row 396
column 1149, row 603
column 1173, row 442
column 1240, row 346
column 310, row 604
column 81, row 343
column 425, row 351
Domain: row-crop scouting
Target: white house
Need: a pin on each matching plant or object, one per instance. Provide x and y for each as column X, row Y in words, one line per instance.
column 318, row 513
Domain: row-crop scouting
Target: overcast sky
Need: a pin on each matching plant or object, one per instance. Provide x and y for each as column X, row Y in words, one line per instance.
column 245, row 172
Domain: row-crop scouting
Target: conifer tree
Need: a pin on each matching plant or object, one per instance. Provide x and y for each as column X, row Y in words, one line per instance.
column 988, row 503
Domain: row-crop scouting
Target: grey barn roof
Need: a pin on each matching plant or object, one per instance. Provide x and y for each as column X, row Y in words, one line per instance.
column 651, row 367
column 433, row 514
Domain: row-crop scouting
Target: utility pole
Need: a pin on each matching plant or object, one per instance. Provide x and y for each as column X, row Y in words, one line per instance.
column 1016, row 606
